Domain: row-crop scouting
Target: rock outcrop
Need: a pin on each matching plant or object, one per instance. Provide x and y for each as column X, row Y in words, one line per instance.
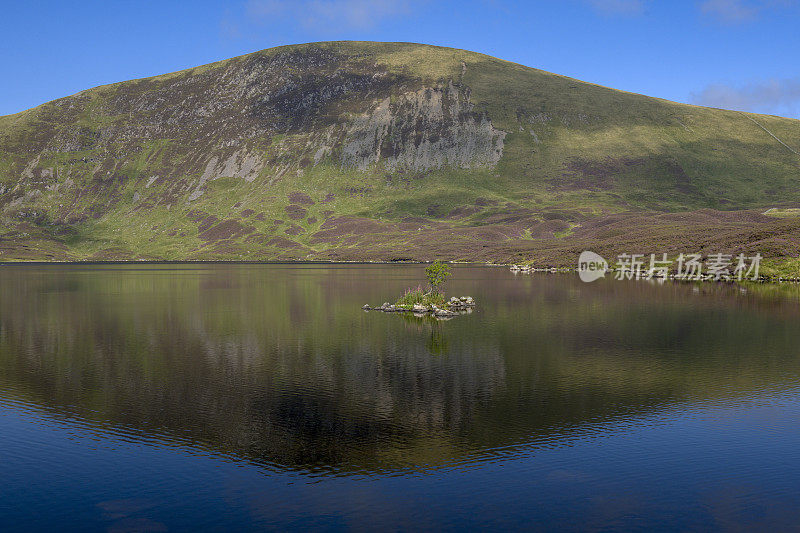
column 427, row 129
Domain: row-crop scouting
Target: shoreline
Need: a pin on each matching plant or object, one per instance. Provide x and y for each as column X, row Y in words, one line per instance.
column 531, row 269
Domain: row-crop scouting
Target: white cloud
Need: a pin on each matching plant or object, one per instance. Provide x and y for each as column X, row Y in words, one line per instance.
column 623, row 7
column 781, row 97
column 740, row 11
column 729, row 11
column 334, row 14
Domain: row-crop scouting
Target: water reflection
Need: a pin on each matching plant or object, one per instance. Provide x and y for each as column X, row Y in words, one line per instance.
column 277, row 364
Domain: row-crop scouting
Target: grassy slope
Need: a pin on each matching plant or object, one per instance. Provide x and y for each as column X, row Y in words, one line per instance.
column 573, row 151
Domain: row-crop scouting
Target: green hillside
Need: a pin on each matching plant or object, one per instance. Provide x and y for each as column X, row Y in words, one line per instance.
column 351, row 150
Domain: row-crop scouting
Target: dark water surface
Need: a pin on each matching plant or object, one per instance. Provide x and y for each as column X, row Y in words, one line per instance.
column 234, row 397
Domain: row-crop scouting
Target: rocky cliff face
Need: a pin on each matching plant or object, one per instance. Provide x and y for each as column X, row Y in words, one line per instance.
column 383, row 140
column 426, row 129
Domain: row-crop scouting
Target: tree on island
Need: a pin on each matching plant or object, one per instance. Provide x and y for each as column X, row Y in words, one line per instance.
column 437, row 273
column 432, row 301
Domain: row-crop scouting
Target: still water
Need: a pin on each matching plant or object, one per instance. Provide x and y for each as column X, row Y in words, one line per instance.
column 236, row 397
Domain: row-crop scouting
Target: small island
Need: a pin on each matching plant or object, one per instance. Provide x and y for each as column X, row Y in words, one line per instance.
column 431, row 301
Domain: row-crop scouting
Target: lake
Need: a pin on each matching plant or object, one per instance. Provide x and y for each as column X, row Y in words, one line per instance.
column 178, row 397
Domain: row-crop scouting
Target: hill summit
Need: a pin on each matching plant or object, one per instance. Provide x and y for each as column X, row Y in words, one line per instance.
column 388, row 151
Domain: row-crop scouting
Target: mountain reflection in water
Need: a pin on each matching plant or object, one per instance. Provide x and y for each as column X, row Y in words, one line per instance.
column 277, row 366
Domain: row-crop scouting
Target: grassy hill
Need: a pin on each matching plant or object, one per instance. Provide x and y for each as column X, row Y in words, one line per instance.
column 353, row 150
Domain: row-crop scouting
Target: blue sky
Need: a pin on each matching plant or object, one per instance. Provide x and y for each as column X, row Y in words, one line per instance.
column 741, row 54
